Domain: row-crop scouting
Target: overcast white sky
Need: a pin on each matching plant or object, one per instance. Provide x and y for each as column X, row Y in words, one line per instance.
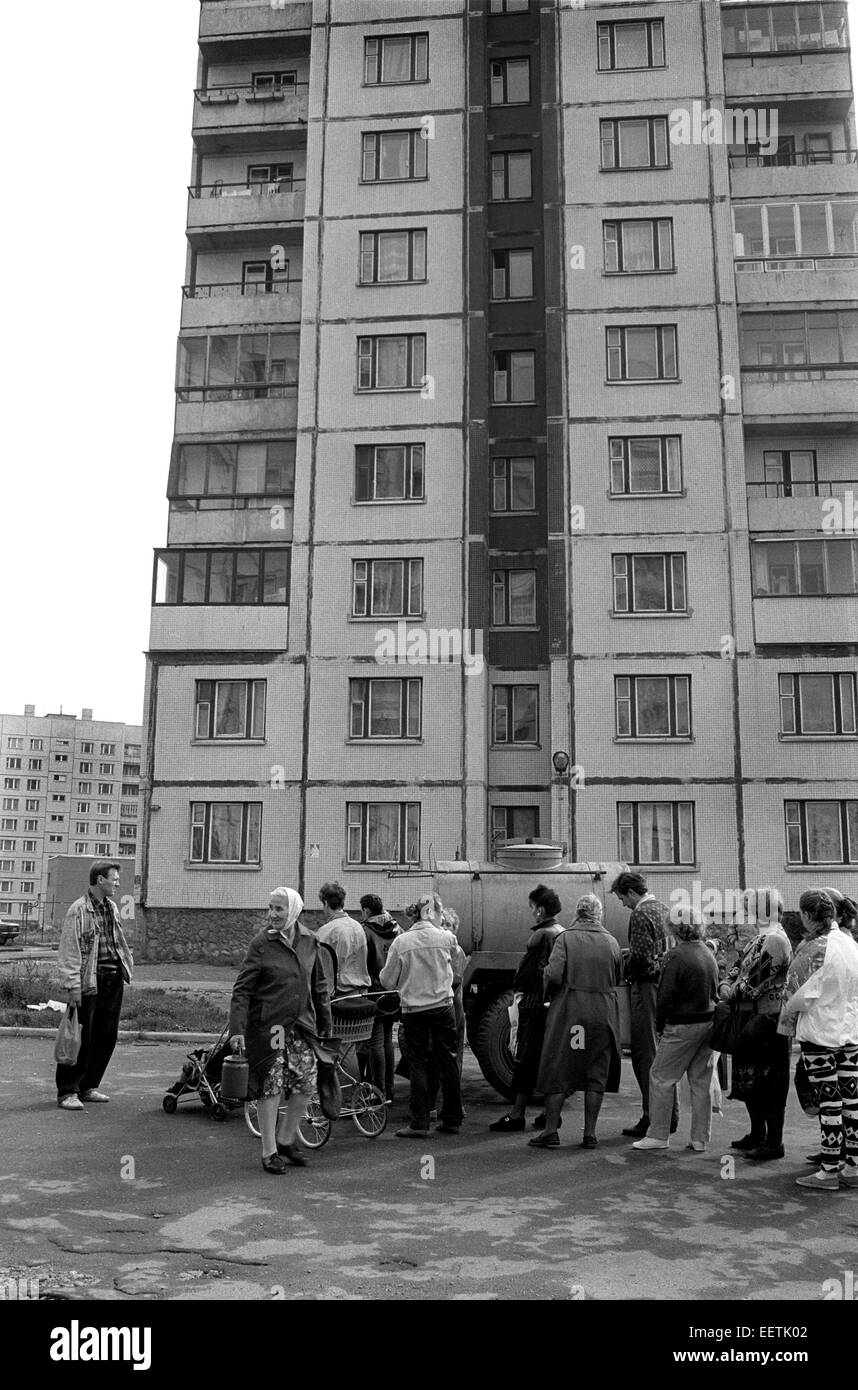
column 99, row 103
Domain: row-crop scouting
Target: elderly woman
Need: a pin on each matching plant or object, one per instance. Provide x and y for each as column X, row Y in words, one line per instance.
column 820, row 1008
column 685, row 1003
column 281, row 1008
column 761, row 1067
column 581, row 1051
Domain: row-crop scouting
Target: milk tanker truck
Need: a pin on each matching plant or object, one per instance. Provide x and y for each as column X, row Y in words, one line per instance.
column 491, row 901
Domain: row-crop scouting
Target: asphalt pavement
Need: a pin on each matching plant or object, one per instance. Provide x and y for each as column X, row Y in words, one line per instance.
column 123, row 1201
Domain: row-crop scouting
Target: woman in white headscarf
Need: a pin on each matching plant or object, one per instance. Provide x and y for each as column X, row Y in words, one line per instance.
column 280, row 1010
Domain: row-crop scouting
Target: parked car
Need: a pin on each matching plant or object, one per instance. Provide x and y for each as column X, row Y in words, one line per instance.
column 8, row 932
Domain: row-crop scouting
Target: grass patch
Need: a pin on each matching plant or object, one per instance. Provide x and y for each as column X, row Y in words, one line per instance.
column 146, row 1010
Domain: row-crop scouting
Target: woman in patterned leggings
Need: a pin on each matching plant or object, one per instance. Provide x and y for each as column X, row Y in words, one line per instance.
column 820, row 1008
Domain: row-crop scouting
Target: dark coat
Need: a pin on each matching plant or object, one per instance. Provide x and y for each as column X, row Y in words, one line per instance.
column 280, row 987
column 581, row 978
column 528, row 976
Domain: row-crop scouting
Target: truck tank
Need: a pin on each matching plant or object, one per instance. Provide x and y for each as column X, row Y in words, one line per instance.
column 491, row 902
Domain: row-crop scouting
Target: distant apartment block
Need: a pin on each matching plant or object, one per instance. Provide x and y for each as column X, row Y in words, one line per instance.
column 479, row 335
column 71, row 787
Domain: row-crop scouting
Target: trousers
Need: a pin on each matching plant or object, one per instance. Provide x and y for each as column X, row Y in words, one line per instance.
column 682, row 1050
column 99, row 1026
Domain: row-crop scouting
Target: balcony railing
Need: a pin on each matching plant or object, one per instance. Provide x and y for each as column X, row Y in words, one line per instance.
column 776, row 263
column 220, row 189
column 251, row 91
column 789, row 158
column 829, row 371
column 256, row 391
column 231, row 288
column 820, row 487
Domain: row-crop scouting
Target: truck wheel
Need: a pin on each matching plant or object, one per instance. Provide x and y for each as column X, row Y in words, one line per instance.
column 491, row 1044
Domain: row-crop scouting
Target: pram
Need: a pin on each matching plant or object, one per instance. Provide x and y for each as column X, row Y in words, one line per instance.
column 201, row 1077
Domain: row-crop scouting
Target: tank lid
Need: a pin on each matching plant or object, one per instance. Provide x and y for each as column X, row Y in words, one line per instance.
column 527, row 855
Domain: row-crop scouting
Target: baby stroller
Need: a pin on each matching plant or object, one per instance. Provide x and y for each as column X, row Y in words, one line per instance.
column 201, row 1076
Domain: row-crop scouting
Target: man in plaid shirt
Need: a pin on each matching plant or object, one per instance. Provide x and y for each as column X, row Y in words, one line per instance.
column 649, row 940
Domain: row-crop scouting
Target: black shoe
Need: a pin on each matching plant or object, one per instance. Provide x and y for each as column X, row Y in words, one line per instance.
column 674, row 1126
column 290, row 1152
column 446, row 1129
column 765, row 1152
column 638, row 1131
column 274, row 1164
column 748, row 1141
column 507, row 1124
column 539, row 1122
column 589, row 1142
column 545, row 1141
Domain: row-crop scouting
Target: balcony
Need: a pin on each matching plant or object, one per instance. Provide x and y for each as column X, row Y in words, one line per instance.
column 239, row 116
column 773, row 75
column 798, row 506
column 228, row 27
column 781, row 398
column 221, row 214
column 220, row 628
column 223, row 523
column 795, row 279
column 813, row 620
column 239, row 304
column 794, row 172
column 224, row 410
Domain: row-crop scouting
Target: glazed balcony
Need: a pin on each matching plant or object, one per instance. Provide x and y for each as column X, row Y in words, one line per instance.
column 785, row 49
column 203, row 410
column 221, row 214
column 229, row 521
column 239, row 116
column 238, row 304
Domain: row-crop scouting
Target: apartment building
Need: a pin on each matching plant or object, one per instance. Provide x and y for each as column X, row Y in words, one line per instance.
column 512, row 325
column 71, row 787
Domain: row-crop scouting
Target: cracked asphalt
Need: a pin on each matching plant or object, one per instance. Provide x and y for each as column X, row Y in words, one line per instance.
column 125, row 1202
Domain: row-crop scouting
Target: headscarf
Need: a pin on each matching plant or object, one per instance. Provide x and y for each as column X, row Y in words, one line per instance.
column 589, row 908
column 294, row 904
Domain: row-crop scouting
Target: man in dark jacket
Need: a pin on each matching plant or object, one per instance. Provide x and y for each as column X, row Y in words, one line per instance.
column 649, row 937
column 377, row 1058
column 544, row 907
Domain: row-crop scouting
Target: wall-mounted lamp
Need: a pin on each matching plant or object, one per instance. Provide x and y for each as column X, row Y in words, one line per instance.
column 561, row 762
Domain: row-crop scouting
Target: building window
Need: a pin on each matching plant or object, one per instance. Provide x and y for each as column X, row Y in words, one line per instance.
column 128, row 808
column 128, row 832
column 129, row 789
column 14, row 763
column 392, row 156
column 225, row 832
column 221, row 577
column 81, row 827
column 392, row 362
column 27, row 886
column 274, row 81
column 515, row 714
column 383, row 832
column 656, row 832
column 229, row 709
column 83, row 808
column 511, row 176
column 102, row 828
column 6, row 885
column 33, row 784
column 261, row 277
column 7, row 866
column 642, row 353
column 105, row 788
column 87, row 747
column 58, row 839
column 821, row 832
column 634, row 142
column 387, row 588
column 34, row 764
column 30, row 846
column 793, row 229
column 85, row 767
column 790, row 473
column 102, row 847
column 103, row 808
column 28, row 866
column 270, row 178
column 108, row 750
column 509, row 6
column 652, row 706
column 649, row 583
column 513, row 377
column 11, row 783
column 817, row 704
column 512, row 273
column 514, row 598
column 31, row 825
column 58, row 796
column 626, row 44
column 31, row 804
column 132, row 750
column 263, row 468
column 514, row 484
column 130, row 769
column 389, row 472
column 395, row 58
column 509, row 82
column 11, row 803
column 237, row 366
column 14, row 742
column 128, row 849
column 642, row 464
column 784, row 568
column 80, row 847
column 10, row 823
column 792, row 341
column 393, row 258
column 637, row 245
column 106, row 769
column 385, row 708
column 783, row 28
column 514, row 823
column 37, row 745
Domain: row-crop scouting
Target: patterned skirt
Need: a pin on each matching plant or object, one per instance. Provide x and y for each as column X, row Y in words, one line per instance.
column 291, row 1070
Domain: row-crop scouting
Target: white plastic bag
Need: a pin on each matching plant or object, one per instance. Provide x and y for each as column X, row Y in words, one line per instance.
column 513, row 1022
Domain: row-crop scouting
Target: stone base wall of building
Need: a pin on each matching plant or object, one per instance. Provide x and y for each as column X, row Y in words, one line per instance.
column 209, row 936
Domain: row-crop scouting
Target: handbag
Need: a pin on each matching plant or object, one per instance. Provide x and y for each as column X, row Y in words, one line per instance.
column 728, row 1023
column 67, row 1045
column 804, row 1089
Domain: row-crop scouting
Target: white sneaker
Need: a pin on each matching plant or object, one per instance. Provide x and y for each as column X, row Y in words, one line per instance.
column 98, row 1097
column 696, row 1146
column 70, row 1102
column 651, row 1144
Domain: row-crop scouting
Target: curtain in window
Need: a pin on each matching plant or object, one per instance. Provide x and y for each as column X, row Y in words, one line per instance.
column 390, row 472
column 393, row 255
column 641, row 353
column 644, row 465
column 634, row 143
column 194, row 585
column 637, row 246
column 817, row 705
column 655, row 832
column 247, row 577
column 387, row 594
column 276, row 583
column 385, row 715
column 250, row 476
column 225, row 834
column 382, row 832
column 653, row 706
column 630, row 46
column 396, row 59
column 222, row 357
column 392, row 362
column 823, row 832
column 231, row 711
column 220, row 583
column 394, row 155
column 649, row 583
column 522, row 596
